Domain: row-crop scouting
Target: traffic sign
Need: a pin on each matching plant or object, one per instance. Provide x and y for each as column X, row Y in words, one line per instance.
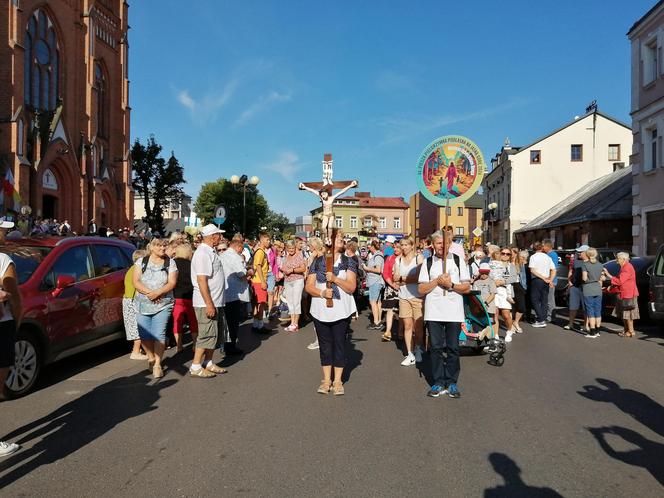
column 477, row 232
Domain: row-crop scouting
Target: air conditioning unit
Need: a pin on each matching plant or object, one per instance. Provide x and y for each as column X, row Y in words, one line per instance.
column 617, row 166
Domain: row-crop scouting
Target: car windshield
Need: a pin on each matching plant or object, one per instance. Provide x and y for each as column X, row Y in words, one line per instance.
column 26, row 259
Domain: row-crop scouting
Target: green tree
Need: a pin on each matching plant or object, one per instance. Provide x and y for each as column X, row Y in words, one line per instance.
column 276, row 223
column 158, row 181
column 222, row 191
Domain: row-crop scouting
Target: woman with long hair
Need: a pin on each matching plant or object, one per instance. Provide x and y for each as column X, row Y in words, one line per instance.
column 331, row 323
column 406, row 274
column 154, row 279
column 519, row 287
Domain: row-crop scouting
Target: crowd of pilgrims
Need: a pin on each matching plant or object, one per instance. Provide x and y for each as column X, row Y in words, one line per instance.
column 412, row 293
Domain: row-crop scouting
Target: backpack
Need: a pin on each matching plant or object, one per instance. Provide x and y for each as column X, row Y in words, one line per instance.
column 146, row 259
column 457, row 262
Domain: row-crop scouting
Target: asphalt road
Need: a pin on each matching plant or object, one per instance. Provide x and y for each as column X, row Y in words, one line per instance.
column 564, row 416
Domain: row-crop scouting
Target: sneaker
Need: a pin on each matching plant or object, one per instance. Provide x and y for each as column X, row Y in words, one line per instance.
column 408, row 360
column 508, row 336
column 518, row 329
column 373, row 326
column 7, row 449
column 313, row 345
column 567, row 327
column 539, row 325
column 592, row 334
column 202, row 373
column 453, row 391
column 436, row 391
column 418, row 354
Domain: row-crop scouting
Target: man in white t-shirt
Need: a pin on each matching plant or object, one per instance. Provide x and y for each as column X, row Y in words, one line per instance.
column 443, row 312
column 207, row 278
column 543, row 272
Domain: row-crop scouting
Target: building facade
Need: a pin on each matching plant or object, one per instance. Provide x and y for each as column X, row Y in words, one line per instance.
column 176, row 209
column 647, row 109
column 364, row 216
column 524, row 182
column 64, row 110
column 427, row 217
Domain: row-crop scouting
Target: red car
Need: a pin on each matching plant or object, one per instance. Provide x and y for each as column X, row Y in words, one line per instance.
column 72, row 292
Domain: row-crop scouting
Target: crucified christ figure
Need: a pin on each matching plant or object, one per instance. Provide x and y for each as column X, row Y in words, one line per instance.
column 327, row 200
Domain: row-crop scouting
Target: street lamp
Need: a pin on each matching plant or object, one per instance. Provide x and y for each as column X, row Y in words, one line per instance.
column 242, row 183
column 492, row 218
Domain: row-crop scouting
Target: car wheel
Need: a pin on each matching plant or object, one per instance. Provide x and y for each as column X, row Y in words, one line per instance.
column 27, row 364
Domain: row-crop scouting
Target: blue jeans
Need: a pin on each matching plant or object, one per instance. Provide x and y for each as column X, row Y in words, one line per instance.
column 153, row 327
column 444, row 347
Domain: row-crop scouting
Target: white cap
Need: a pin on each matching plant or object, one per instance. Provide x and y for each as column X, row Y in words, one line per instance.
column 391, row 239
column 582, row 248
column 210, row 229
column 6, row 224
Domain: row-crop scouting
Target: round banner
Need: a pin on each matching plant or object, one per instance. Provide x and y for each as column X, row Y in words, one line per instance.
column 451, row 169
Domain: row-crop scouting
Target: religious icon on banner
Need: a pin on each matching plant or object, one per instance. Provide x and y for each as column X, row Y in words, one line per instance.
column 450, row 170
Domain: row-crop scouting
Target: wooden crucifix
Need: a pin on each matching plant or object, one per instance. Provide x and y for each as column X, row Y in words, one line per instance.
column 325, row 192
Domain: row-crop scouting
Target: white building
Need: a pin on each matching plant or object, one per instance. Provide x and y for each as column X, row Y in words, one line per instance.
column 176, row 209
column 526, row 181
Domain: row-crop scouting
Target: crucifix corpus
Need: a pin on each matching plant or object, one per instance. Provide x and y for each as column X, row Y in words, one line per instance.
column 325, row 192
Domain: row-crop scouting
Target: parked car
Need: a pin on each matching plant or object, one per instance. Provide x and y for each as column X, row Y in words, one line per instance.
column 656, row 291
column 610, row 293
column 72, row 300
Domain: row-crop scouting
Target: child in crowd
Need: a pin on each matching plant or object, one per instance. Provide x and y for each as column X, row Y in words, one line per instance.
column 487, row 287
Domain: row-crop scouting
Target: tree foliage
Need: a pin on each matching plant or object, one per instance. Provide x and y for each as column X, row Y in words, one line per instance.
column 157, row 180
column 258, row 214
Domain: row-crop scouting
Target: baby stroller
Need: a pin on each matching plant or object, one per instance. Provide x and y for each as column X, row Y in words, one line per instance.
column 477, row 333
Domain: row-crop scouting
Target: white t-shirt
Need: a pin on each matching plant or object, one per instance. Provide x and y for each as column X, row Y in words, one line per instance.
column 342, row 308
column 441, row 306
column 408, row 291
column 206, row 262
column 5, row 261
column 541, row 263
column 235, row 273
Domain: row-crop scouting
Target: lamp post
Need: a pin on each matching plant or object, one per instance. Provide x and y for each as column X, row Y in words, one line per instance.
column 242, row 183
column 492, row 218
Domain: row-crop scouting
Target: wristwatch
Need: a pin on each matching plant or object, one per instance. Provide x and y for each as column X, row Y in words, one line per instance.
column 452, row 288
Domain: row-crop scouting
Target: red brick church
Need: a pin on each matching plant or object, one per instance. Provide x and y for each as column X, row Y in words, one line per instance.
column 64, row 110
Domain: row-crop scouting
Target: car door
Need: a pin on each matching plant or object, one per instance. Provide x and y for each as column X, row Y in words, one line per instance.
column 70, row 309
column 656, row 304
column 110, row 267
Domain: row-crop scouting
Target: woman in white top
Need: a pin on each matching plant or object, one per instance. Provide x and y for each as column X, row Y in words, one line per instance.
column 10, row 318
column 332, row 323
column 406, row 272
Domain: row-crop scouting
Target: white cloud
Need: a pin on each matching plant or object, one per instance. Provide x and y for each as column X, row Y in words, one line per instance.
column 401, row 128
column 204, row 110
column 262, row 104
column 286, row 165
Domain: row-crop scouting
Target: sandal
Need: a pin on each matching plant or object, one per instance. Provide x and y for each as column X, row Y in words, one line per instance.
column 386, row 338
column 324, row 387
column 623, row 334
column 337, row 388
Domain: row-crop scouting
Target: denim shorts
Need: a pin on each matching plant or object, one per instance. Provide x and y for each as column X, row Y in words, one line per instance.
column 593, row 306
column 375, row 291
column 576, row 300
column 271, row 282
column 153, row 327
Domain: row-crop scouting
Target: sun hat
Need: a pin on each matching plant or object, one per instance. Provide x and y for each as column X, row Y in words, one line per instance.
column 391, row 239
column 211, row 229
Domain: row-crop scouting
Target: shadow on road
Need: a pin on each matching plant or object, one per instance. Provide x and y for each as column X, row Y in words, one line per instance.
column 79, row 423
column 354, row 355
column 637, row 405
column 514, row 485
column 642, row 408
column 647, row 454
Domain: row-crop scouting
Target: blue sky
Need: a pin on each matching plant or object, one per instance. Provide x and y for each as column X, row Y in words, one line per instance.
column 265, row 88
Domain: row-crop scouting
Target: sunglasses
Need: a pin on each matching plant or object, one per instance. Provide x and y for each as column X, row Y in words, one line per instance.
column 505, row 253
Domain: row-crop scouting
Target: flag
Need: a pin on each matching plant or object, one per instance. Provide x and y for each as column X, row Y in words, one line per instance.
column 9, row 197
